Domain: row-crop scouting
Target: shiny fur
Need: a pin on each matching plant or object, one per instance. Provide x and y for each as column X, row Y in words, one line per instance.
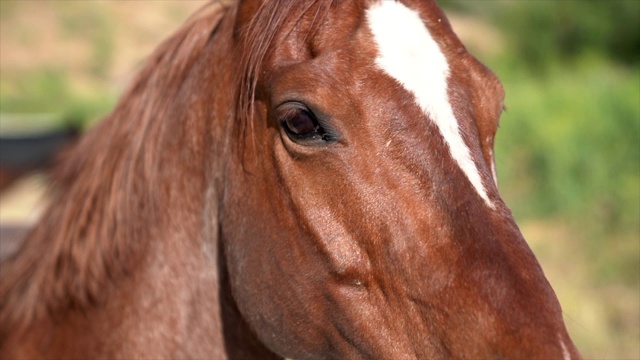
column 188, row 225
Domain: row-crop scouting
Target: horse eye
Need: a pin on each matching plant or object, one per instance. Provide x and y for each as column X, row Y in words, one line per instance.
column 301, row 125
column 298, row 122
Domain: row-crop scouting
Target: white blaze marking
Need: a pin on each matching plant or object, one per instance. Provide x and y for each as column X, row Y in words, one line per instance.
column 565, row 352
column 408, row 53
column 493, row 167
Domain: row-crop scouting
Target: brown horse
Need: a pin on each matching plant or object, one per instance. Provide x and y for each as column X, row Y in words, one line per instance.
column 299, row 179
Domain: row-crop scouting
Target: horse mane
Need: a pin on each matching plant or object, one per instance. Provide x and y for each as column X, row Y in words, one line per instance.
column 104, row 209
column 108, row 192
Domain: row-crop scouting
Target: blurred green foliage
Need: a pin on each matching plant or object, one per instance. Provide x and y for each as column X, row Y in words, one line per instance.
column 64, row 95
column 542, row 30
column 575, row 134
column 569, row 29
column 569, row 148
column 90, row 22
column 48, row 91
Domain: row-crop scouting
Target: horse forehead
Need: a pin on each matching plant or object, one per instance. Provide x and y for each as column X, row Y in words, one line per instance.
column 408, row 52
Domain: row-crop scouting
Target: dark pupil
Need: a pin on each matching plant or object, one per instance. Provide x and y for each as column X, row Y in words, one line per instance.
column 300, row 122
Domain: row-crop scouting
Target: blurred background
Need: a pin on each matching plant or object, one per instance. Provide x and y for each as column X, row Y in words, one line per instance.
column 568, row 148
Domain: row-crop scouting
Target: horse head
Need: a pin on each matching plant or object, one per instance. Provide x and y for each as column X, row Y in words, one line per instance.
column 361, row 216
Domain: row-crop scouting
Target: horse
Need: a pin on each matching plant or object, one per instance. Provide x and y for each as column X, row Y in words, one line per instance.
column 287, row 179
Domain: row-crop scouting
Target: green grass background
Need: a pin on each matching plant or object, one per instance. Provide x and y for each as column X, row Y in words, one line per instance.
column 568, row 148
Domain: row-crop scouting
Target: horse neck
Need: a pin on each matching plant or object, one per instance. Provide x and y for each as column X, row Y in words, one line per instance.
column 135, row 214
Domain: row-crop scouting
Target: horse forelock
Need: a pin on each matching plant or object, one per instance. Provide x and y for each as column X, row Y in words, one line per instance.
column 103, row 206
column 258, row 29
